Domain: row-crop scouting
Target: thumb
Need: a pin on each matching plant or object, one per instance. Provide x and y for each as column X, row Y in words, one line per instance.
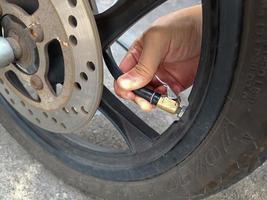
column 153, row 52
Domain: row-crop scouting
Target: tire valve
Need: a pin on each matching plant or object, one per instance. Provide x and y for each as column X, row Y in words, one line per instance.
column 169, row 105
column 163, row 102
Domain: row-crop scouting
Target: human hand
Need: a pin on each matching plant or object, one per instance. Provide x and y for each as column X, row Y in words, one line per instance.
column 170, row 49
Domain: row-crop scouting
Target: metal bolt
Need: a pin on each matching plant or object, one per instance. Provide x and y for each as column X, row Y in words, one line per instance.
column 36, row 32
column 181, row 112
column 37, row 82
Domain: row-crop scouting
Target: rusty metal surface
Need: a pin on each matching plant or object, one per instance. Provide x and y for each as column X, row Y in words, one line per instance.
column 74, row 28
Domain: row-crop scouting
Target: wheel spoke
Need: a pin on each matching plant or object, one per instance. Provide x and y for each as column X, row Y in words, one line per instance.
column 93, row 6
column 138, row 135
column 115, row 21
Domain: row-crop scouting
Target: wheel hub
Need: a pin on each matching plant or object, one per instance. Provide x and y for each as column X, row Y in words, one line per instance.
column 29, row 58
column 52, row 83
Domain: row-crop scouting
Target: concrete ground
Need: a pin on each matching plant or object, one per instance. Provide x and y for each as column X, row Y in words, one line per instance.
column 23, row 178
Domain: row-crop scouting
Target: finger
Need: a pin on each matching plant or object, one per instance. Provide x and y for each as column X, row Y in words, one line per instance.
column 170, row 80
column 154, row 49
column 161, row 89
column 132, row 57
column 185, row 71
column 144, row 105
column 155, row 82
column 125, row 94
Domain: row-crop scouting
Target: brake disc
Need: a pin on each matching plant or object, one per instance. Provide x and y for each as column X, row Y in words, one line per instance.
column 56, row 83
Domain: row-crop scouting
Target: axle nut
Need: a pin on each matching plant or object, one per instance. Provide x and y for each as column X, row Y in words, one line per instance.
column 36, row 32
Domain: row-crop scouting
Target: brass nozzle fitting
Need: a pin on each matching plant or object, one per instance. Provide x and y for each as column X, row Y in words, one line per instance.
column 168, row 105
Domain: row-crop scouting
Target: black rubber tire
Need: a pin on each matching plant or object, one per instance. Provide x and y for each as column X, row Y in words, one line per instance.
column 234, row 147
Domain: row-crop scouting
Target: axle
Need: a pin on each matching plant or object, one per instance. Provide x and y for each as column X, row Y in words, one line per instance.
column 9, row 51
column 7, row 55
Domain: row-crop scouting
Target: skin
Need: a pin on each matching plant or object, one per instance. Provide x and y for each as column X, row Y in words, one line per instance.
column 170, row 49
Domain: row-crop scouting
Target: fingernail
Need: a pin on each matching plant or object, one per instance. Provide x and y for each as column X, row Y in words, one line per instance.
column 128, row 83
column 125, row 83
column 145, row 107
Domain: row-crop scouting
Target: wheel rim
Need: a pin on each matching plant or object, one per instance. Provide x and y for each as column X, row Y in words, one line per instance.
column 150, row 155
